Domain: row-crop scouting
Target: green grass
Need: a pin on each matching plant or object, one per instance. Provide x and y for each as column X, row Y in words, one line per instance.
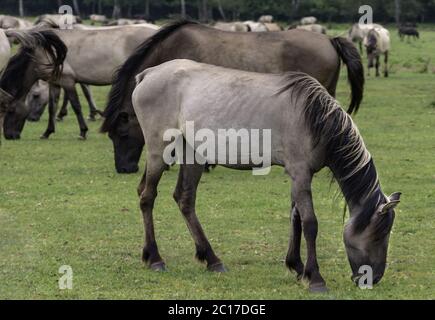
column 61, row 203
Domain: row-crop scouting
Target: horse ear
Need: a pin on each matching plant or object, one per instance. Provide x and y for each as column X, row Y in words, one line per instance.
column 393, row 201
column 395, row 196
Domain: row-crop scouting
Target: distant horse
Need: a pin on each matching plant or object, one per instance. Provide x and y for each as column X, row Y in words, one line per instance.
column 313, row 28
column 411, row 32
column 256, row 26
column 359, row 31
column 308, row 20
column 232, row 26
column 270, row 52
column 98, row 18
column 92, row 58
column 9, row 22
column 5, row 54
column 377, row 42
column 57, row 19
column 308, row 131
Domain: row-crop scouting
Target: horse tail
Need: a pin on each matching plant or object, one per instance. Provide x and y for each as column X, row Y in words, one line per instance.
column 45, row 39
column 355, row 71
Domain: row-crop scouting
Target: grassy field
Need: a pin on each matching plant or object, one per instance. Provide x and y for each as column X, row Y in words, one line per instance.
column 61, row 203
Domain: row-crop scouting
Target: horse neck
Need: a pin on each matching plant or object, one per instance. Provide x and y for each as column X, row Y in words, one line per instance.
column 361, row 190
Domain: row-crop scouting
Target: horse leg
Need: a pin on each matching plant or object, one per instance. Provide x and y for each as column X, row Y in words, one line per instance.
column 301, row 194
column 93, row 111
column 293, row 259
column 148, row 187
column 185, row 196
column 377, row 66
column 53, row 97
column 64, row 109
column 75, row 102
column 386, row 64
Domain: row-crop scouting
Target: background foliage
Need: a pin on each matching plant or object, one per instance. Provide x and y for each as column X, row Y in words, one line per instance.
column 283, row 10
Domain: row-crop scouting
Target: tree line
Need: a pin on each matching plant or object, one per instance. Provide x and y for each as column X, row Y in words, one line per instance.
column 209, row 10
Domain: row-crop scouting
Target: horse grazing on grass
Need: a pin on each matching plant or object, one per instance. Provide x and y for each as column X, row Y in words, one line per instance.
column 410, row 32
column 38, row 98
column 90, row 57
column 377, row 42
column 309, row 131
column 359, row 31
column 268, row 52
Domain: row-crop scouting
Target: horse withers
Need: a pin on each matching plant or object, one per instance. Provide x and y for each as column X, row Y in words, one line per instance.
column 308, row 131
column 268, row 52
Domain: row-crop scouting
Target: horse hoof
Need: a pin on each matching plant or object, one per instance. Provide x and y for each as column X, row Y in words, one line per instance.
column 92, row 119
column 43, row 137
column 318, row 288
column 218, row 267
column 59, row 119
column 158, row 266
column 82, row 138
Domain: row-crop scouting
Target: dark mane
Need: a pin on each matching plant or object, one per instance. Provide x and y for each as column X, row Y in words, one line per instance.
column 125, row 74
column 345, row 153
column 30, row 40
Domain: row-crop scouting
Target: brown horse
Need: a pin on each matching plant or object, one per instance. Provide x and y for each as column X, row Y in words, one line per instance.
column 274, row 52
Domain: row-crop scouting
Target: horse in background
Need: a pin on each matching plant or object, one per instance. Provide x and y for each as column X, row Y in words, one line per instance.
column 38, row 98
column 408, row 31
column 10, row 22
column 359, row 31
column 377, row 43
column 308, row 131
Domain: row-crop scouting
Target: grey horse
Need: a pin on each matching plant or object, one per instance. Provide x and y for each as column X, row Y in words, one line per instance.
column 91, row 58
column 309, row 131
column 269, row 52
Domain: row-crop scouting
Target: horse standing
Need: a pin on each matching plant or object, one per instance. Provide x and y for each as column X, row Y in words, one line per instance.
column 377, row 42
column 89, row 57
column 359, row 31
column 309, row 131
column 270, row 52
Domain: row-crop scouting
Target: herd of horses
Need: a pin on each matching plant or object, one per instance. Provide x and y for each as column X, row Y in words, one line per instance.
column 163, row 77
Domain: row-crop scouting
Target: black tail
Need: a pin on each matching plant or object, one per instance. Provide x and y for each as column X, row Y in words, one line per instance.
column 355, row 71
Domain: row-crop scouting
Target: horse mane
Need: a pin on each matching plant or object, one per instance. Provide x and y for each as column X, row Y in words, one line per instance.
column 345, row 152
column 30, row 40
column 123, row 76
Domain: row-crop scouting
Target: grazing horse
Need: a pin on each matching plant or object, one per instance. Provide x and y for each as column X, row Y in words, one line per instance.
column 377, row 42
column 5, row 54
column 359, row 31
column 313, row 28
column 308, row 20
column 93, row 56
column 308, row 131
column 232, row 26
column 37, row 100
column 408, row 31
column 270, row 52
